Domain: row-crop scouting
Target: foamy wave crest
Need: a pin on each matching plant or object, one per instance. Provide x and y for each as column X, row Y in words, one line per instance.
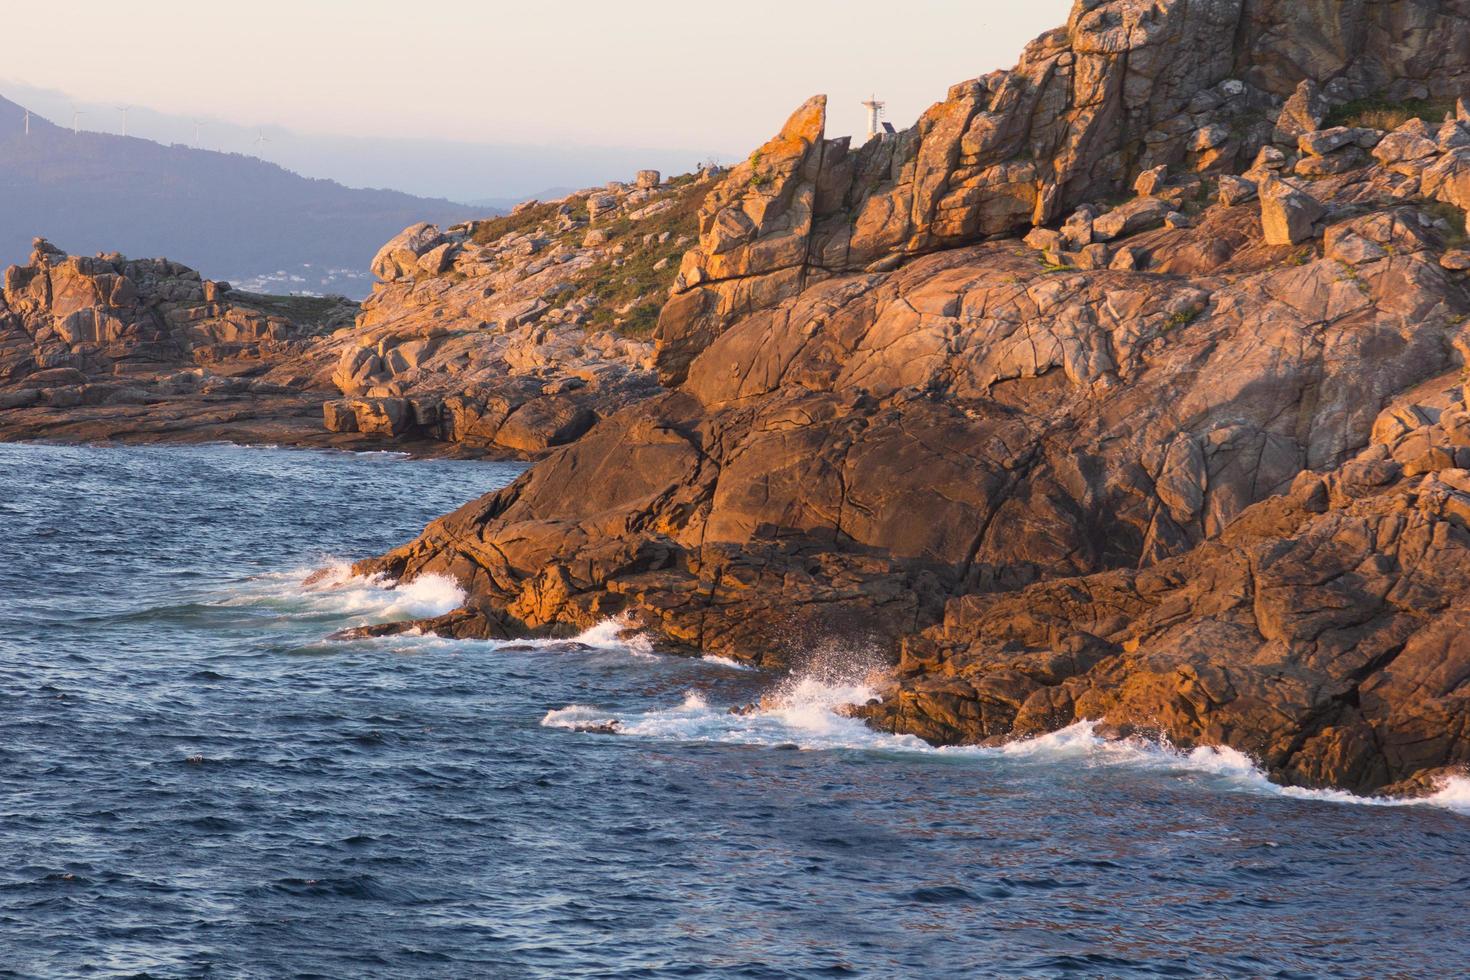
column 803, row 710
column 612, row 634
column 719, row 661
column 1221, row 765
column 578, row 717
column 335, row 591
column 1453, row 794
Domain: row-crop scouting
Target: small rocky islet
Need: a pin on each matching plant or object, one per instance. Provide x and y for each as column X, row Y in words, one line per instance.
column 1124, row 387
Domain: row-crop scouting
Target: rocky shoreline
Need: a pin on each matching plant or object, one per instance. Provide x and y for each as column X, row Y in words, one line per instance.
column 1116, row 389
column 1120, row 388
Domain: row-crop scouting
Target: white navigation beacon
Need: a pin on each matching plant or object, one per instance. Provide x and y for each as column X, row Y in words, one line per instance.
column 875, row 116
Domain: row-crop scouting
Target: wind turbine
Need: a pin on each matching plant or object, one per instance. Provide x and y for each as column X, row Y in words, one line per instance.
column 124, row 109
column 28, row 122
column 260, row 140
column 198, row 125
column 76, row 117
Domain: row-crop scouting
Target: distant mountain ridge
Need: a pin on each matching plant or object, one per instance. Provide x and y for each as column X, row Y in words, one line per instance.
column 229, row 215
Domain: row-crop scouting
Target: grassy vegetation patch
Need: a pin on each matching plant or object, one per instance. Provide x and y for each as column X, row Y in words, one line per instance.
column 1456, row 237
column 1378, row 113
column 316, row 314
column 615, row 286
column 493, row 229
column 1183, row 318
column 634, row 278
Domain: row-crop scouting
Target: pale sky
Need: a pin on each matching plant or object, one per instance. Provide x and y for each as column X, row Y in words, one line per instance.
column 649, row 73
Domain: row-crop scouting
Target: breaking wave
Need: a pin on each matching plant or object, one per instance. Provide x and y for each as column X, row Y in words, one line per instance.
column 1223, row 765
column 335, row 591
column 719, row 661
column 803, row 711
column 610, row 634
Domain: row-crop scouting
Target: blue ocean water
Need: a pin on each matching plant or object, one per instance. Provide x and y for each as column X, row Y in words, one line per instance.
column 195, row 781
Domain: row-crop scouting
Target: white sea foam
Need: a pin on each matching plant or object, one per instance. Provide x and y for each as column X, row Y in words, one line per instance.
column 719, row 661
column 334, row 590
column 802, row 711
column 1222, row 765
column 577, row 716
column 1453, row 794
column 612, row 634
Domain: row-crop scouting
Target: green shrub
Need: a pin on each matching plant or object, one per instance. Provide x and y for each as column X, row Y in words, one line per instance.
column 1182, row 319
column 617, row 286
column 311, row 314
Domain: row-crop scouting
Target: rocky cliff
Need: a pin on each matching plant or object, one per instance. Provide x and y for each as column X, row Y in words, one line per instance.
column 1125, row 86
column 1190, row 458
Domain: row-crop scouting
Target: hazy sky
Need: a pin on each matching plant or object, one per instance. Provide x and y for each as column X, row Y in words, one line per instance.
column 718, row 75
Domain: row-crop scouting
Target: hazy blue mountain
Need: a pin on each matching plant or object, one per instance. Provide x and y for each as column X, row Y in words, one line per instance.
column 506, row 172
column 229, row 215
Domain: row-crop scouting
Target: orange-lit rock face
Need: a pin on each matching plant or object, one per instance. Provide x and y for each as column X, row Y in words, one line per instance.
column 1087, row 108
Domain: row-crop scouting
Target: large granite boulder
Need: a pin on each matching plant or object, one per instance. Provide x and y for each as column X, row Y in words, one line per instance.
column 400, row 257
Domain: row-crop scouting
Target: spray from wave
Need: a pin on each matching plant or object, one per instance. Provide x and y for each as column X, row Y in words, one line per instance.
column 331, row 592
column 334, row 591
column 805, row 710
column 615, row 633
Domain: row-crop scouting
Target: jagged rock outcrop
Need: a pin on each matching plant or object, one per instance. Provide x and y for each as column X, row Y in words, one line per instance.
column 1145, row 467
column 1322, row 632
column 104, row 347
column 1089, row 106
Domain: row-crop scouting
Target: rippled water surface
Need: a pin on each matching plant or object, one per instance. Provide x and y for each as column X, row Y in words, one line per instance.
column 195, row 781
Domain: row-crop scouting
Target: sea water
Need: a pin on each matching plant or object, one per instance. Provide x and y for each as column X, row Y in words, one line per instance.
column 196, row 781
